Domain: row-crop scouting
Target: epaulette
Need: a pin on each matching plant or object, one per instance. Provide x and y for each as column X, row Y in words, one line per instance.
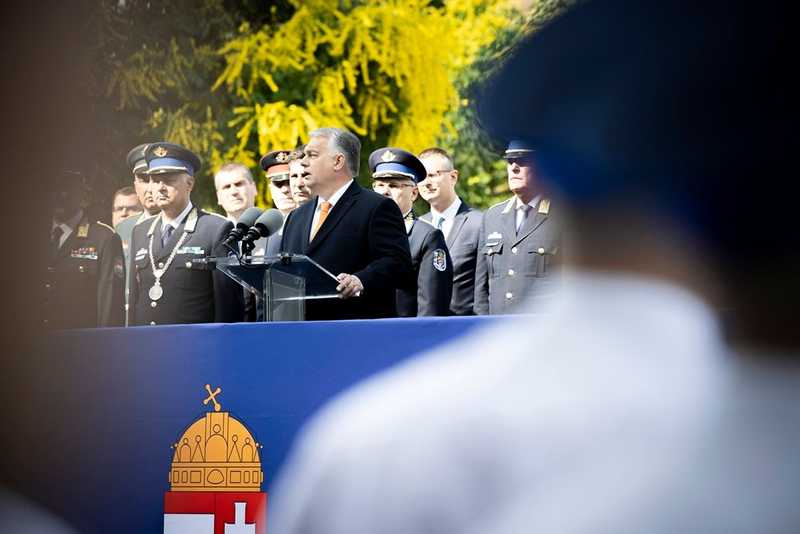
column 105, row 226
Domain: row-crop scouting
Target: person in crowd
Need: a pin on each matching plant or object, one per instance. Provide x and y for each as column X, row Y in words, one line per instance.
column 520, row 240
column 83, row 287
column 354, row 233
column 276, row 169
column 125, row 204
column 622, row 410
column 297, row 181
column 141, row 184
column 395, row 174
column 236, row 189
column 167, row 285
column 459, row 222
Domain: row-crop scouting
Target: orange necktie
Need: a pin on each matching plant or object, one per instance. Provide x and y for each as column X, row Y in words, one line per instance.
column 325, row 208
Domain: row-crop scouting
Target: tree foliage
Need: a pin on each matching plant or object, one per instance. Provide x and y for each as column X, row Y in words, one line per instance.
column 234, row 80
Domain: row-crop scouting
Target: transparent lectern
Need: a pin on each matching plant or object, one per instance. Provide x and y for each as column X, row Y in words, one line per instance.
column 281, row 284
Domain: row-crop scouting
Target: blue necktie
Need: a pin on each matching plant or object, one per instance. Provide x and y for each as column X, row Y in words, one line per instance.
column 440, row 223
column 166, row 235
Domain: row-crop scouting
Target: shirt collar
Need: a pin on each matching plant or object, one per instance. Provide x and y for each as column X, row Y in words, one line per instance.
column 447, row 214
column 518, row 203
column 71, row 224
column 179, row 219
column 336, row 196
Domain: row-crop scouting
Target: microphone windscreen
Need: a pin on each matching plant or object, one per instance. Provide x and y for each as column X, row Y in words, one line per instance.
column 269, row 222
column 249, row 217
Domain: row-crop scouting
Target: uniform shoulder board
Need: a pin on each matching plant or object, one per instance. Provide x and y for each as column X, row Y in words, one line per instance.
column 104, row 225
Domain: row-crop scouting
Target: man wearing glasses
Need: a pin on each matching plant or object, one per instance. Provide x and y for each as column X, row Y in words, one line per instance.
column 396, row 174
column 459, row 222
column 519, row 243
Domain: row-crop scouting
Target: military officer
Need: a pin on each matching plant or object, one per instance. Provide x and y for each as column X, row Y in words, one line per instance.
column 459, row 222
column 519, row 243
column 166, row 286
column 276, row 168
column 85, row 275
column 395, row 174
column 141, row 185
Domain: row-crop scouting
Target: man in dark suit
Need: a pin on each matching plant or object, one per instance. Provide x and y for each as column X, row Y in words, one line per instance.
column 459, row 222
column 166, row 286
column 85, row 275
column 354, row 233
column 396, row 174
column 520, row 242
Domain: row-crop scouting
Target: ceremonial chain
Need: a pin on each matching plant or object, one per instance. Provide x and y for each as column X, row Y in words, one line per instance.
column 156, row 292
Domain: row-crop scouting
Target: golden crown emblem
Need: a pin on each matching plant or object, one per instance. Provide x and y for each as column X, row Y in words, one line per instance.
column 282, row 156
column 160, row 151
column 388, row 156
column 216, row 453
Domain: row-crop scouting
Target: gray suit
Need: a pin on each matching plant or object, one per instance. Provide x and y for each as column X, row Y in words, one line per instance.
column 513, row 266
column 462, row 242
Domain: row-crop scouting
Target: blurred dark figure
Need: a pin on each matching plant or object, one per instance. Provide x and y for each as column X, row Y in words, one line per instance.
column 85, row 273
column 670, row 130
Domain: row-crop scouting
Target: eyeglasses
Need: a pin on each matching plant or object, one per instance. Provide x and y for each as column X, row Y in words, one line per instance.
column 522, row 162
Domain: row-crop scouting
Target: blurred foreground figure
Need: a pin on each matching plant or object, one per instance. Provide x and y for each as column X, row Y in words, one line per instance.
column 85, row 273
column 670, row 128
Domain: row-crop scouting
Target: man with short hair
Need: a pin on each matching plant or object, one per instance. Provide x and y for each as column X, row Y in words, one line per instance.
column 236, row 190
column 459, row 222
column 520, row 241
column 354, row 233
column 85, row 273
column 395, row 174
column 297, row 180
column 167, row 286
column 124, row 204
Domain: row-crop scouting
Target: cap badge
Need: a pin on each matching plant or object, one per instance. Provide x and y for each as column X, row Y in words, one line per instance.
column 160, row 151
column 388, row 156
column 281, row 157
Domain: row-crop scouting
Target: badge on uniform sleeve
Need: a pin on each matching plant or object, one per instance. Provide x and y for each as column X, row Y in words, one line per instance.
column 439, row 260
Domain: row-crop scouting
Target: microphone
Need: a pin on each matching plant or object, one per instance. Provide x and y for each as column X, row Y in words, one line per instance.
column 245, row 222
column 267, row 224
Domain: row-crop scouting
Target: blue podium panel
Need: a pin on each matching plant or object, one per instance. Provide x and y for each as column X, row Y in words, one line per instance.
column 109, row 403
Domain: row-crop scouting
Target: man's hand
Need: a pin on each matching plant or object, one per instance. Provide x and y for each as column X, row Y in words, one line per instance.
column 349, row 286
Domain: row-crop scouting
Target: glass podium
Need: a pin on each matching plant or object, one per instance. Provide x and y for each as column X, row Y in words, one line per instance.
column 280, row 284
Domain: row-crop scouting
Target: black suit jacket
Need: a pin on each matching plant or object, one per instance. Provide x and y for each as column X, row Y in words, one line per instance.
column 363, row 235
column 192, row 294
column 462, row 243
column 433, row 272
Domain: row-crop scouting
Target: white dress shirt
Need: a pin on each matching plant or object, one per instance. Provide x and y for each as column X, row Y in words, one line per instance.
column 333, row 200
column 176, row 222
column 448, row 215
column 520, row 213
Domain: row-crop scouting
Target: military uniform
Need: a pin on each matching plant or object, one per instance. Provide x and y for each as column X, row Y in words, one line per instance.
column 191, row 293
column 462, row 244
column 431, row 287
column 166, row 286
column 433, row 270
column 85, row 277
column 514, row 265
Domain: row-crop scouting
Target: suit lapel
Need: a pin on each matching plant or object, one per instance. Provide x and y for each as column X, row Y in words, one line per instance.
column 68, row 244
column 530, row 226
column 458, row 223
column 337, row 213
column 509, row 222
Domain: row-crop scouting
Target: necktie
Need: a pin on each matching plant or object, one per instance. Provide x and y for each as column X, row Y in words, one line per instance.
column 325, row 208
column 522, row 214
column 440, row 223
column 55, row 240
column 166, row 235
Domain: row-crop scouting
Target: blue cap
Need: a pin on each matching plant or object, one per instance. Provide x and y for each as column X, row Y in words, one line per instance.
column 518, row 148
column 390, row 162
column 164, row 158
